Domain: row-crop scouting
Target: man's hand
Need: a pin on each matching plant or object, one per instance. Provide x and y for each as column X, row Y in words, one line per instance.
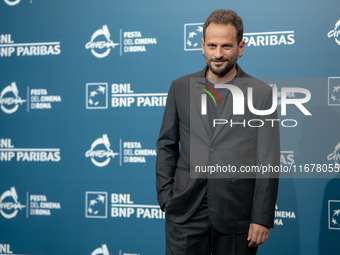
column 257, row 234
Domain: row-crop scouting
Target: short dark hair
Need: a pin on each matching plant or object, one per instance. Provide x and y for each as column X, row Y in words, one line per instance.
column 225, row 17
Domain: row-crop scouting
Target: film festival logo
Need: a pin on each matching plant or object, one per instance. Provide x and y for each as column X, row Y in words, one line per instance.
column 96, row 204
column 96, row 96
column 101, row 49
column 37, row 99
column 333, row 91
column 288, row 95
column 129, row 42
column 100, row 149
column 12, row 2
column 335, row 155
column 101, row 250
column 10, row 99
column 282, row 215
column 9, row 204
column 238, row 104
column 36, row 205
column 334, row 214
column 335, row 32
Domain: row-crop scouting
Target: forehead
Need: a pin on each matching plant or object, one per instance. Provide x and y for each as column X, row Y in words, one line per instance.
column 220, row 32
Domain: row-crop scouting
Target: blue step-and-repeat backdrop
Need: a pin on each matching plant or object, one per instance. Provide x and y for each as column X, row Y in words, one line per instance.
column 83, row 87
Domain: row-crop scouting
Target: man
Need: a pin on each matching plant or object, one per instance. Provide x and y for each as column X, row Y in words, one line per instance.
column 227, row 214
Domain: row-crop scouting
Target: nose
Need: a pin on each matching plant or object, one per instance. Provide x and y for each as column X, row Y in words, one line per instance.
column 218, row 53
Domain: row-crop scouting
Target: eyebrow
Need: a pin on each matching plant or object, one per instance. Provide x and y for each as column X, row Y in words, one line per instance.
column 223, row 44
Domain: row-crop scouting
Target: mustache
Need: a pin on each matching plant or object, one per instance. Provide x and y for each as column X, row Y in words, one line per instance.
column 223, row 59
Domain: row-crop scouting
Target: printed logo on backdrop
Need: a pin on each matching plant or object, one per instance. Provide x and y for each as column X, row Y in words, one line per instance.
column 101, row 43
column 6, row 249
column 96, row 204
column 289, row 94
column 40, row 206
column 334, row 214
column 135, row 42
column 129, row 152
column 9, row 153
column 9, row 47
column 40, row 99
column 287, row 158
column 333, row 91
column 37, row 205
column 335, row 32
column 9, row 204
column 122, row 206
column 335, row 155
column 8, row 103
column 96, row 96
column 122, row 95
column 12, row 2
column 282, row 216
column 100, row 152
column 101, row 49
column 37, row 99
column 277, row 38
column 193, row 33
column 103, row 250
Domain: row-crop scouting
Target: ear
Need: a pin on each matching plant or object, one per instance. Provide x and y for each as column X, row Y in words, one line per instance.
column 241, row 46
column 202, row 42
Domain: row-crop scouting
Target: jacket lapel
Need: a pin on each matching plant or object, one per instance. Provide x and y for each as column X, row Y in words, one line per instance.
column 196, row 93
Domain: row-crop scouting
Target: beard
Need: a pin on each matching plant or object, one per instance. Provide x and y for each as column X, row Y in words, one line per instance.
column 222, row 70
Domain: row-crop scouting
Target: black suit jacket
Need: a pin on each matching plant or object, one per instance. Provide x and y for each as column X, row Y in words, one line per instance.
column 233, row 202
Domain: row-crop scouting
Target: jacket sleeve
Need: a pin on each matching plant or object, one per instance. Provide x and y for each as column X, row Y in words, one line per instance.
column 167, row 150
column 268, row 155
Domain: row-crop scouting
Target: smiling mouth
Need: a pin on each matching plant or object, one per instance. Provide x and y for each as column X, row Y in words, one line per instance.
column 218, row 62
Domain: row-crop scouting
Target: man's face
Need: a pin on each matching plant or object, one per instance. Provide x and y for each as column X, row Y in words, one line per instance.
column 220, row 48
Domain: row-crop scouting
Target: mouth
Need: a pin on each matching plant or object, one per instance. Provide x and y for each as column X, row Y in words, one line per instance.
column 218, row 63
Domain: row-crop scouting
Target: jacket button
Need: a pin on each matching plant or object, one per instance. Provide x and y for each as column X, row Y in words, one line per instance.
column 212, row 150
